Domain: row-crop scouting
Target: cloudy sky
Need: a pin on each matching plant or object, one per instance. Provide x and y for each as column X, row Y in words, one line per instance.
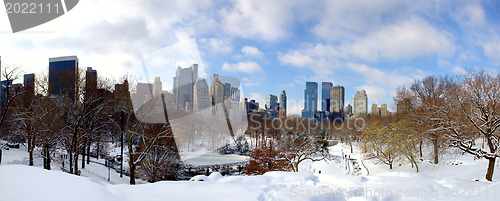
column 376, row 45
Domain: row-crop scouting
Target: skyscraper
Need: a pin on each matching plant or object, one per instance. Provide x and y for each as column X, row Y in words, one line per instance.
column 282, row 103
column 310, row 100
column 63, row 73
column 253, row 106
column 227, row 90
column 4, row 86
column 216, row 94
column 337, row 99
column 383, row 110
column 90, row 82
column 201, row 95
column 271, row 102
column 325, row 96
column 157, row 87
column 360, row 103
column 283, row 100
column 235, row 94
column 348, row 110
column 184, row 81
column 194, row 70
column 29, row 86
column 375, row 110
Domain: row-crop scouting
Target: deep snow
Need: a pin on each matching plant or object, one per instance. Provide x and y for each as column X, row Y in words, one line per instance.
column 458, row 177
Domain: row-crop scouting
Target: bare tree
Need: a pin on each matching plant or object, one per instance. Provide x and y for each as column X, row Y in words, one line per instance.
column 405, row 141
column 9, row 95
column 80, row 118
column 159, row 162
column 303, row 147
column 377, row 144
column 424, row 102
column 148, row 135
column 474, row 115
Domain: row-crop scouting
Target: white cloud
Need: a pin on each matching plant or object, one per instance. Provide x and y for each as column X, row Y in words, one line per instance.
column 381, row 85
column 453, row 68
column 320, row 58
column 218, row 45
column 263, row 19
column 251, row 51
column 296, row 58
column 404, row 40
column 374, row 75
column 472, row 15
column 253, row 81
column 492, row 51
column 344, row 20
column 245, row 67
column 458, row 70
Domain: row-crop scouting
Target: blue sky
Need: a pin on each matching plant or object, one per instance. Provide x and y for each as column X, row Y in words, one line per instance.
column 376, row 45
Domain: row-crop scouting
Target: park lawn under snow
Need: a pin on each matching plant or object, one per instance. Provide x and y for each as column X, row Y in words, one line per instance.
column 445, row 181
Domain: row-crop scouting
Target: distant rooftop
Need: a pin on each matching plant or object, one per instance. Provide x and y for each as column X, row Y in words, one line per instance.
column 65, row 58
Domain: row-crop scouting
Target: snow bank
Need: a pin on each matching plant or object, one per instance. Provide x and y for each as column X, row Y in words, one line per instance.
column 456, row 178
column 21, row 182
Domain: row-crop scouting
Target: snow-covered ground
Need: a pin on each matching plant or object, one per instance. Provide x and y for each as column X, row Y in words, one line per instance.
column 458, row 177
column 92, row 170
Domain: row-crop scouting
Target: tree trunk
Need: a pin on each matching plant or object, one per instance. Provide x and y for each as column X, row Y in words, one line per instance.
column 491, row 167
column 88, row 152
column 48, row 162
column 98, row 144
column 30, row 151
column 74, row 150
column 48, row 158
column 420, row 148
column 122, row 123
column 132, row 175
column 76, row 162
column 83, row 153
column 44, row 161
column 435, row 144
column 0, row 156
column 390, row 165
column 70, row 162
column 30, row 156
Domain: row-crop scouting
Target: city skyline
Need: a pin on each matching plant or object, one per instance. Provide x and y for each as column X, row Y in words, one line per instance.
column 394, row 44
